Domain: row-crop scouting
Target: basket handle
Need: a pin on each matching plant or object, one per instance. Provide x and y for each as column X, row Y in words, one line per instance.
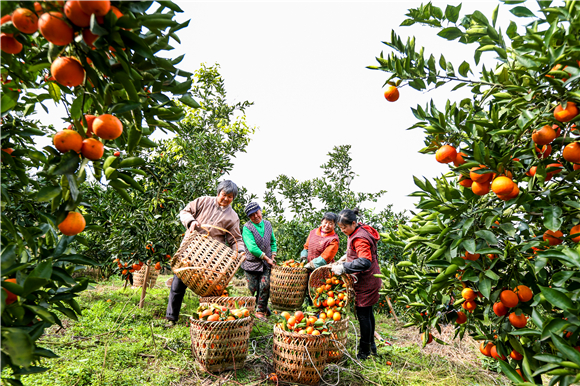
column 221, row 229
column 198, row 268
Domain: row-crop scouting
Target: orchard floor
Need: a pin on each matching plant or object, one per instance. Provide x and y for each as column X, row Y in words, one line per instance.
column 115, row 343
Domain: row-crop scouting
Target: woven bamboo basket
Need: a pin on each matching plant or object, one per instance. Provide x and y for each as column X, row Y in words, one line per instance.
column 288, row 287
column 139, row 277
column 337, row 343
column 220, row 346
column 248, row 302
column 299, row 358
column 319, row 276
column 205, row 265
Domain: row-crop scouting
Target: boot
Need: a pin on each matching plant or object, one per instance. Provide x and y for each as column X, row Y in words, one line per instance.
column 364, row 351
column 374, row 348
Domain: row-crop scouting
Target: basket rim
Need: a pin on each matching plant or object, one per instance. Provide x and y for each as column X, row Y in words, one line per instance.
column 345, row 278
column 244, row 319
column 295, row 334
column 297, row 269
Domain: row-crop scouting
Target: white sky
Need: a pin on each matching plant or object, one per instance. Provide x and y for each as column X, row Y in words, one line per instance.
column 303, row 66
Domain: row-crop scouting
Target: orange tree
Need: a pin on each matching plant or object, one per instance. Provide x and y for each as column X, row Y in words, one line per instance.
column 497, row 235
column 102, row 62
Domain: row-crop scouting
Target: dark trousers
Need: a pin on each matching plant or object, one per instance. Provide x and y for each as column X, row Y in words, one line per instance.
column 176, row 295
column 366, row 319
column 259, row 286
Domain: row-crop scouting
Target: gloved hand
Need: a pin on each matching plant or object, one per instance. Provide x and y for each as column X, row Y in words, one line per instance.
column 304, row 254
column 310, row 266
column 337, row 269
column 342, row 259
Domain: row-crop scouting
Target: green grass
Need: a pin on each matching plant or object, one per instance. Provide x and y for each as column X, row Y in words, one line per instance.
column 115, row 343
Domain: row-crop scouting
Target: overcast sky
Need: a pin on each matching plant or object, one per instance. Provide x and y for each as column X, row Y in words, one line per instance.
column 303, row 66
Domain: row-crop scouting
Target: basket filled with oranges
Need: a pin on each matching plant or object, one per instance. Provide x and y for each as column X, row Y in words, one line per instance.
column 288, row 284
column 300, row 349
column 139, row 277
column 236, row 302
column 329, row 291
column 220, row 336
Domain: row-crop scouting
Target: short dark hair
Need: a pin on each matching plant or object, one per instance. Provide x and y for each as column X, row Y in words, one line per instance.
column 228, row 187
column 330, row 216
column 347, row 216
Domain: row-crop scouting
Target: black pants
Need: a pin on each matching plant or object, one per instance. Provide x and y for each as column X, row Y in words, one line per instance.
column 176, row 295
column 366, row 319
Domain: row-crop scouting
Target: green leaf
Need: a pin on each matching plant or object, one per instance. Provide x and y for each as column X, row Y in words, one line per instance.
column 469, row 245
column 554, row 326
column 464, row 68
column 521, row 11
column 124, row 106
column 485, row 287
column 557, row 299
column 76, row 107
column 480, row 18
column 488, row 236
column 18, row 345
column 492, row 275
column 573, row 204
column 510, row 372
column 42, row 270
column 135, row 135
column 187, row 100
column 553, row 218
column 131, row 162
column 78, row 259
column 136, row 44
column 68, row 164
column 452, row 13
column 508, row 228
column 450, row 33
column 48, row 193
column 9, row 100
column 567, row 350
column 512, row 29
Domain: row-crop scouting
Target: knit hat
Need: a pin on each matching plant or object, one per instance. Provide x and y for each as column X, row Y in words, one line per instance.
column 252, row 207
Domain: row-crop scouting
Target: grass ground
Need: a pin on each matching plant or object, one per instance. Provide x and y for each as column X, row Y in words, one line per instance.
column 115, row 343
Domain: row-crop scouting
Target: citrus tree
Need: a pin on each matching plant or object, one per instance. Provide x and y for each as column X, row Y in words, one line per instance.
column 178, row 170
column 307, row 201
column 497, row 236
column 103, row 62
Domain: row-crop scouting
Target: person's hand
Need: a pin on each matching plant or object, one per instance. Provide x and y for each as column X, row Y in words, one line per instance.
column 269, row 261
column 310, row 266
column 193, row 225
column 337, row 269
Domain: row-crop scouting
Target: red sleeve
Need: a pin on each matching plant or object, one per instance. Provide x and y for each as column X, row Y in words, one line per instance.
column 307, row 240
column 330, row 251
column 362, row 248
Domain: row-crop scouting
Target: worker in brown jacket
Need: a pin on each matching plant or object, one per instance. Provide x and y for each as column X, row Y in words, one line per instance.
column 216, row 211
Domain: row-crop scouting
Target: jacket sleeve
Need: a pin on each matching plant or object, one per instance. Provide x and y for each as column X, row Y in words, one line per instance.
column 188, row 214
column 330, row 251
column 357, row 265
column 236, row 235
column 250, row 242
column 364, row 257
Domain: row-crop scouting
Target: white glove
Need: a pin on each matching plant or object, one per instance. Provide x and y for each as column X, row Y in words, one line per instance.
column 310, row 266
column 338, row 269
column 342, row 259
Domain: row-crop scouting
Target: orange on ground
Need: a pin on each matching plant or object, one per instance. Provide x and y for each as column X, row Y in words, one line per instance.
column 68, row 140
column 509, row 298
column 468, row 294
column 107, row 126
column 566, row 115
column 479, row 188
column 499, row 309
column 516, row 355
column 68, row 71
column 10, row 297
column 461, row 318
column 446, row 154
column 73, row 224
column 518, row 321
column 502, row 185
column 25, row 20
column 392, row 94
column 554, row 238
column 99, row 8
column 459, row 159
column 54, row 28
column 496, row 355
column 92, row 149
column 486, row 350
column 524, row 293
column 9, row 44
column 571, row 152
column 75, row 14
column 574, row 230
column 544, row 136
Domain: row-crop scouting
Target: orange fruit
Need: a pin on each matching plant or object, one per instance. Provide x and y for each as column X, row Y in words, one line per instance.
column 502, row 185
column 468, row 294
column 424, row 337
column 509, row 299
column 524, row 293
column 309, row 330
column 125, row 272
column 89, row 37
column 10, row 297
column 496, row 355
column 107, row 126
column 213, row 318
column 571, row 152
column 574, row 230
column 99, row 8
column 66, row 140
column 315, row 332
column 481, row 189
column 461, row 318
column 559, row 167
column 544, row 136
column 92, row 149
column 299, row 315
column 291, row 321
column 576, row 166
column 459, row 159
column 499, row 309
column 89, row 118
column 117, row 12
column 73, row 224
column 136, row 266
column 544, row 152
column 567, row 114
column 469, row 305
column 25, row 20
column 492, row 256
column 513, row 194
column 331, row 302
column 470, row 256
column 75, row 14
column 465, row 182
column 479, row 178
column 38, row 7
column 446, row 154
column 516, row 355
column 158, row 266
column 286, row 315
column 9, row 44
column 519, row 371
column 336, row 316
column 486, row 349
column 392, row 93
column 54, row 28
column 322, row 316
column 518, row 321
column 554, row 238
column 68, row 71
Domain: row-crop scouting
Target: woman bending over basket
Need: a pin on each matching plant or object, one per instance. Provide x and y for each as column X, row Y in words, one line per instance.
column 207, row 210
column 261, row 250
column 361, row 261
column 322, row 243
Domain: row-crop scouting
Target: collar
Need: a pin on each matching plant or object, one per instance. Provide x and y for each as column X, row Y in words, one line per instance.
column 319, row 232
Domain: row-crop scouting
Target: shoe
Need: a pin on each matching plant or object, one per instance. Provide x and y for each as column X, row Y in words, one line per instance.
column 171, row 324
column 374, row 349
column 260, row 315
column 364, row 351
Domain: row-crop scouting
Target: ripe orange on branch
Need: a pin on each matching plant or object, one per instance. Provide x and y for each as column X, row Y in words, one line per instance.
column 502, row 185
column 76, row 15
column 571, row 152
column 9, row 44
column 99, row 8
column 55, row 29
column 446, row 154
column 92, row 149
column 567, row 114
column 553, row 237
column 25, row 20
column 544, row 136
column 509, row 298
column 518, row 321
column 524, row 293
column 486, row 349
column 10, row 297
column 574, row 230
column 479, row 178
column 73, row 224
column 107, row 126
column 68, row 71
column 68, row 140
column 392, row 93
